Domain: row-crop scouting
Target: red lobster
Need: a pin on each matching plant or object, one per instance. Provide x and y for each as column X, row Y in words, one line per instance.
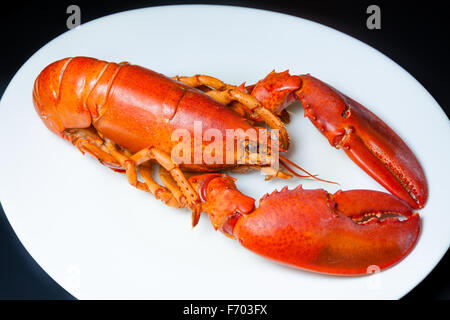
column 124, row 115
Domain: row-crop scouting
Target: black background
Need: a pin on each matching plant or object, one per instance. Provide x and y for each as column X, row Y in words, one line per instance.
column 414, row 34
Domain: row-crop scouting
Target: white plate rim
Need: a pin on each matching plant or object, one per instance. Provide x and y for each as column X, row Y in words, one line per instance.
column 200, row 6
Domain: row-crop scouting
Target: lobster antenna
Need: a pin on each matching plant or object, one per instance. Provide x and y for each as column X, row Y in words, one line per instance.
column 306, row 177
column 284, row 162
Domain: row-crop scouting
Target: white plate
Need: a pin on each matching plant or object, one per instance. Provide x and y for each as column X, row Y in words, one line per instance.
column 100, row 238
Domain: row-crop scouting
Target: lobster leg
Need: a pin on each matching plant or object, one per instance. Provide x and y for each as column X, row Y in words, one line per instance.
column 203, row 80
column 84, row 145
column 168, row 181
column 107, row 153
column 125, row 162
column 87, row 140
column 108, row 159
column 160, row 192
column 164, row 160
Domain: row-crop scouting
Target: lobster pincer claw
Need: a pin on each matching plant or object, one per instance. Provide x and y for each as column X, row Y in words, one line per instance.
column 366, row 139
column 347, row 233
column 348, row 125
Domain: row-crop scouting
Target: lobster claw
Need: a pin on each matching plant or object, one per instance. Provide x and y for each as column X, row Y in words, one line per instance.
column 348, row 233
column 366, row 139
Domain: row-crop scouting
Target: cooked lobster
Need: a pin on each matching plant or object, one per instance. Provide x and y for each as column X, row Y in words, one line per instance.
column 125, row 116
